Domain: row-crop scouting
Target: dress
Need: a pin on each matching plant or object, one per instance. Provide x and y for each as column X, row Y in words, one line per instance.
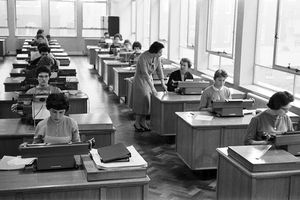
column 176, row 76
column 211, row 93
column 268, row 123
column 49, row 131
column 44, row 90
column 145, row 67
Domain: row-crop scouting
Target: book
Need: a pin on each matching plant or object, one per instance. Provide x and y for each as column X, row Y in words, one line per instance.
column 135, row 161
column 114, row 153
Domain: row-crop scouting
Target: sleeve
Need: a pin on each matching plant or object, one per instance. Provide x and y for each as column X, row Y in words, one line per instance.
column 251, row 131
column 75, row 132
column 228, row 93
column 159, row 70
column 289, row 124
column 39, row 133
column 203, row 100
column 170, row 82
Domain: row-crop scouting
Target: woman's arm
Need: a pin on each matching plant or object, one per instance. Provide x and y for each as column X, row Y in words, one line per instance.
column 75, row 132
column 160, row 74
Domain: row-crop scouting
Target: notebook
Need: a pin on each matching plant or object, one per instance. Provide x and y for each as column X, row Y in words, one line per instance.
column 116, row 152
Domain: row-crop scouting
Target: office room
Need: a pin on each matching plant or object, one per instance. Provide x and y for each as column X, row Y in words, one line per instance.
column 149, row 99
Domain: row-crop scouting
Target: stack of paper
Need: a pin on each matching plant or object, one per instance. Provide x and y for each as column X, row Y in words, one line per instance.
column 14, row 162
column 136, row 160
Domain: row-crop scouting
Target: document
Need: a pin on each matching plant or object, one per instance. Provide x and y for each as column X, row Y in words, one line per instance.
column 136, row 160
column 14, row 162
column 203, row 117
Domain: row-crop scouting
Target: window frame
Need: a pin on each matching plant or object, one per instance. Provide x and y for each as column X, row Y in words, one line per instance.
column 5, row 27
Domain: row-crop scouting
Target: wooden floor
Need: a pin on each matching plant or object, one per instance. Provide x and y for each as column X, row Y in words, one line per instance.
column 171, row 179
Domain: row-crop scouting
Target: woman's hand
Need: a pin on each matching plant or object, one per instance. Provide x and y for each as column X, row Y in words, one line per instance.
column 154, row 92
column 165, row 87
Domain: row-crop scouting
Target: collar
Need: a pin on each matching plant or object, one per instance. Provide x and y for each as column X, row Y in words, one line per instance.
column 216, row 89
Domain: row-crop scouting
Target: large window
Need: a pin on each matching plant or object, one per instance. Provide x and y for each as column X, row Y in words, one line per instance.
column 62, row 18
column 28, row 17
column 146, row 24
column 91, row 16
column 221, row 31
column 187, row 28
column 3, row 18
column 277, row 63
column 133, row 19
column 164, row 24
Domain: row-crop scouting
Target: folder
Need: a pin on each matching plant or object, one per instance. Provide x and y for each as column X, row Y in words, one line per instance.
column 114, row 152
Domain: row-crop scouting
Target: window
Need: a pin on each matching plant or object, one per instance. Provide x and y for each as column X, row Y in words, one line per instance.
column 3, row 18
column 62, row 18
column 28, row 17
column 91, row 18
column 164, row 24
column 221, row 29
column 187, row 29
column 277, row 44
column 146, row 25
column 133, row 20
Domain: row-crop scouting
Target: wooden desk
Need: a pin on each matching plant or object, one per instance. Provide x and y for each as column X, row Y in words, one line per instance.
column 163, row 108
column 59, row 54
column 237, row 182
column 20, row 64
column 197, row 140
column 2, row 47
column 14, row 83
column 62, row 71
column 77, row 100
column 92, row 54
column 119, row 84
column 99, row 126
column 100, row 65
column 68, row 185
column 108, row 71
column 23, row 56
column 55, row 46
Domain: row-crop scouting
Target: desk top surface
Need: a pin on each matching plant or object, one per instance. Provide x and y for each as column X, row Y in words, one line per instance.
column 172, row 97
column 125, row 70
column 14, row 80
column 115, row 62
column 206, row 119
column 22, row 181
column 89, row 121
column 107, row 56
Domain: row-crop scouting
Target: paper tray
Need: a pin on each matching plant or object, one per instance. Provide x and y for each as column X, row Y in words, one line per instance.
column 95, row 174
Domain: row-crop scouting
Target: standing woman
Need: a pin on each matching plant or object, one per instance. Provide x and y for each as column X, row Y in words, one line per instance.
column 143, row 85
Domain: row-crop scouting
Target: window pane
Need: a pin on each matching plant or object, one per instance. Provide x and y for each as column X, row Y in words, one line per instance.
column 28, row 17
column 62, row 18
column 183, row 23
column 3, row 18
column 273, row 79
column 146, row 24
column 217, row 62
column 192, row 22
column 187, row 53
column 91, row 14
column 288, row 48
column 163, row 19
column 265, row 32
column 221, row 25
column 133, row 17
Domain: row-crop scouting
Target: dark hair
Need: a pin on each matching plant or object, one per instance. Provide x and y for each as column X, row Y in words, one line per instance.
column 42, row 69
column 40, row 31
column 57, row 101
column 46, row 61
column 127, row 41
column 40, row 36
column 220, row 73
column 280, row 99
column 48, row 37
column 43, row 47
column 136, row 44
column 118, row 35
column 156, row 47
column 188, row 61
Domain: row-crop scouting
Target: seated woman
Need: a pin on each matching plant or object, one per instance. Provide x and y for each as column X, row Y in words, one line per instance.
column 44, row 51
column 57, row 128
column 126, row 46
column 136, row 47
column 271, row 121
column 116, row 44
column 215, row 92
column 179, row 75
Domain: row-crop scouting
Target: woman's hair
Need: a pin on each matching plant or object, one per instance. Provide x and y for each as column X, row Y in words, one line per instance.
column 280, row 99
column 136, row 44
column 42, row 69
column 188, row 61
column 48, row 37
column 46, row 61
column 118, row 35
column 220, row 73
column 156, row 47
column 40, row 31
column 127, row 41
column 43, row 47
column 57, row 101
column 40, row 36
